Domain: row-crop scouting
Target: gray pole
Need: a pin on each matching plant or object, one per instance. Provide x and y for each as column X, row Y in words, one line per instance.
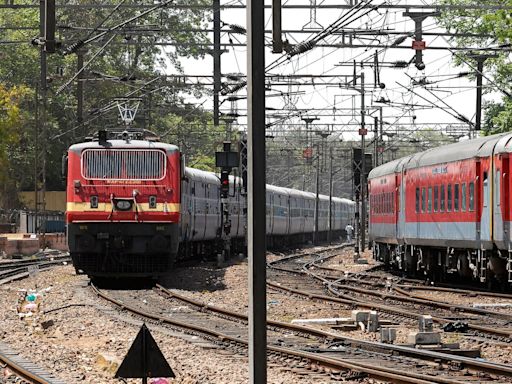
column 376, row 141
column 329, row 233
column 479, row 68
column 277, row 41
column 41, row 156
column 80, row 91
column 256, row 197
column 381, row 135
column 363, row 168
column 216, row 60
column 317, row 187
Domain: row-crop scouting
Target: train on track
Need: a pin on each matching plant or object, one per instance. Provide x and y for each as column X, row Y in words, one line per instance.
column 446, row 212
column 133, row 208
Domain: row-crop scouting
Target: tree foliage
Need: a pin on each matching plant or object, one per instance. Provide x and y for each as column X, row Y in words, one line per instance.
column 135, row 62
column 493, row 28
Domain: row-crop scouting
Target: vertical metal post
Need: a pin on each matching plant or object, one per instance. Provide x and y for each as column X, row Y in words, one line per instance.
column 329, row 233
column 277, row 40
column 216, row 60
column 381, row 135
column 479, row 68
column 256, row 196
column 376, row 141
column 80, row 91
column 41, row 155
column 317, row 193
column 363, row 168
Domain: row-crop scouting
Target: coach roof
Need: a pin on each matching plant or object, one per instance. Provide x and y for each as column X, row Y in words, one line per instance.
column 388, row 168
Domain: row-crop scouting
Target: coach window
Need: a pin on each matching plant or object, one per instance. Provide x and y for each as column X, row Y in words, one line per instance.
column 417, row 200
column 471, row 196
column 429, row 201
column 436, row 198
column 456, row 198
column 463, row 198
column 423, row 198
column 443, row 197
column 498, row 188
column 449, row 200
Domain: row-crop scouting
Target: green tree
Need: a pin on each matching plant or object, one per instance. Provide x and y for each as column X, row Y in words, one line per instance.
column 135, row 61
column 486, row 28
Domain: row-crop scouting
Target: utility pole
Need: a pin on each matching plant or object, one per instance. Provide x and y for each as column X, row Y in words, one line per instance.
column 317, row 193
column 480, row 60
column 376, row 142
column 277, row 40
column 256, row 214
column 80, row 91
column 363, row 133
column 216, row 61
column 329, row 233
column 419, row 45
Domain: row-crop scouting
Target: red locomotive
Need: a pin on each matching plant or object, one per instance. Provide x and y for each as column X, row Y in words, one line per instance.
column 446, row 211
column 123, row 204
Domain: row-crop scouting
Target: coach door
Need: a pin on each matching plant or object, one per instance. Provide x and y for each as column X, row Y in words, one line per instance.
column 400, row 214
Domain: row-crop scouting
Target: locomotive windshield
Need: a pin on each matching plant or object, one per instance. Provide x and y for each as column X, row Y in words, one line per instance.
column 123, row 164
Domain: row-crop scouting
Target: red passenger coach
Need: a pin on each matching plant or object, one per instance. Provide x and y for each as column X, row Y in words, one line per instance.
column 449, row 211
column 123, row 206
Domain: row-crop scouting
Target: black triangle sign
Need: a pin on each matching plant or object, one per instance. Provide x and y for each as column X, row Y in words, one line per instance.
column 144, row 359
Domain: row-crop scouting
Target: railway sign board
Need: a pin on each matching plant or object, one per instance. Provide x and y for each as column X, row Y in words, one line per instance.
column 363, row 132
column 419, row 45
column 144, row 359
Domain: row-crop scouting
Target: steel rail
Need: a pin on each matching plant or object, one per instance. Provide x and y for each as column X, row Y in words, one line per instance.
column 23, row 372
column 381, row 373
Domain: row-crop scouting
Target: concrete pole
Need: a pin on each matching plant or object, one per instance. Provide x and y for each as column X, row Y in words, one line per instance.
column 256, row 193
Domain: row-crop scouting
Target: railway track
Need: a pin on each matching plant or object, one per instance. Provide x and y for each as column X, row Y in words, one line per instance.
column 10, row 360
column 299, row 347
column 399, row 304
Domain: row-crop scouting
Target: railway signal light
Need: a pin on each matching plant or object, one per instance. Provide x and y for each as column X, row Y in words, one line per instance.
column 224, row 183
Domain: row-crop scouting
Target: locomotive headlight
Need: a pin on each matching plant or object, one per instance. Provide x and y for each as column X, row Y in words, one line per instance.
column 94, row 201
column 123, row 205
column 152, row 202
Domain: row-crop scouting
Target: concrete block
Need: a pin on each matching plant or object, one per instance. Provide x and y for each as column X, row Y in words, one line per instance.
column 424, row 338
column 360, row 316
column 361, row 261
column 373, row 322
column 426, row 324
column 387, row 335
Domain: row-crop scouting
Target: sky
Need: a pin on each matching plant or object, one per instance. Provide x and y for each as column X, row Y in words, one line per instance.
column 335, row 106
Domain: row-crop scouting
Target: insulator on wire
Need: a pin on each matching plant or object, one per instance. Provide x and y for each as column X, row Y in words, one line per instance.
column 235, row 28
column 301, row 48
column 400, row 64
column 234, row 88
column 74, row 47
column 399, row 41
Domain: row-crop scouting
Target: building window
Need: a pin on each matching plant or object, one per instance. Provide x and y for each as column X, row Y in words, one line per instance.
column 456, row 198
column 471, row 196
column 436, row 198
column 443, row 197
column 463, row 198
column 449, row 200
